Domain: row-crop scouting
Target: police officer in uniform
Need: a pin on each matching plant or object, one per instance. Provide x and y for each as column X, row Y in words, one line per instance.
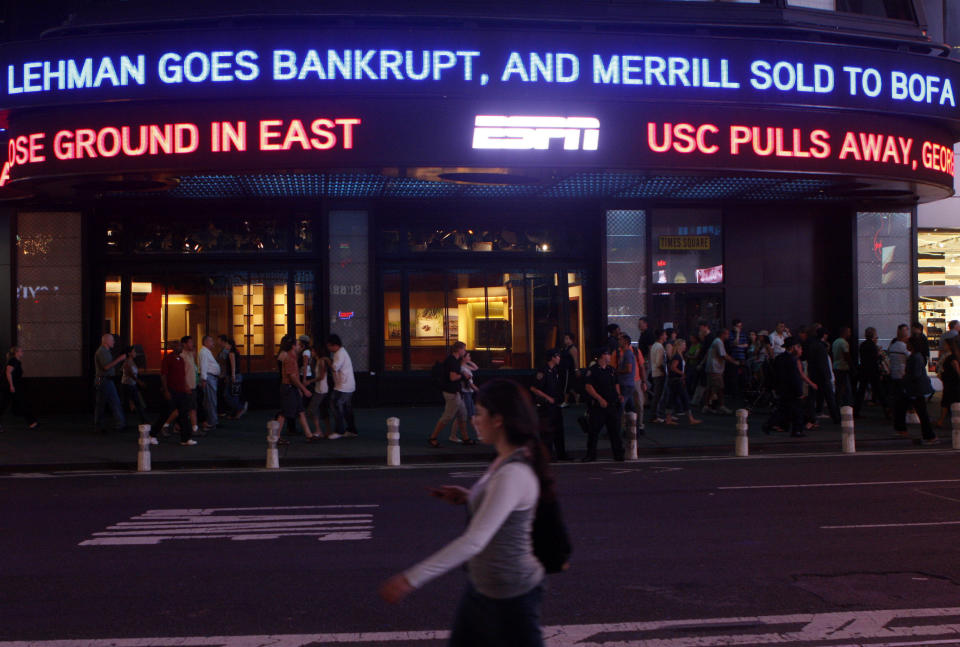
column 548, row 392
column 605, row 406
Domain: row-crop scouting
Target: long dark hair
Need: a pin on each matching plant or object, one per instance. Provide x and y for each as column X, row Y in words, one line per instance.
column 508, row 399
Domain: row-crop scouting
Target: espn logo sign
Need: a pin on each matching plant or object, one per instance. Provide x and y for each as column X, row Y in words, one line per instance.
column 500, row 132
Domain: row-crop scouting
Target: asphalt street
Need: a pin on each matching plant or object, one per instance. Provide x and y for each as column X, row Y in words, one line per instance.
column 793, row 550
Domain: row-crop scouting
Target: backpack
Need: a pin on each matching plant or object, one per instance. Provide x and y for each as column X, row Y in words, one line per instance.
column 437, row 374
column 551, row 541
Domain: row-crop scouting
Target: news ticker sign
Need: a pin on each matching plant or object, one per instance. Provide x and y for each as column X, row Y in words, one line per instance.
column 348, row 134
column 475, row 64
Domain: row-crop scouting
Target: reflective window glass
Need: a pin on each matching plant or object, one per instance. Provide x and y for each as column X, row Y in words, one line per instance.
column 686, row 246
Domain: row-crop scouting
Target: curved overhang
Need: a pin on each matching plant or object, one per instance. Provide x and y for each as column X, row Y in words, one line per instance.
column 156, row 105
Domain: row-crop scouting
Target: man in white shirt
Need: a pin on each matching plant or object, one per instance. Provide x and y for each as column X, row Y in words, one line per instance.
column 777, row 336
column 344, row 385
column 658, row 374
column 717, row 359
column 209, row 376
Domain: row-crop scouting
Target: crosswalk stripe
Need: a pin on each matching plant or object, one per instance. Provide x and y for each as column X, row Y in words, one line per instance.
column 336, row 523
column 881, row 628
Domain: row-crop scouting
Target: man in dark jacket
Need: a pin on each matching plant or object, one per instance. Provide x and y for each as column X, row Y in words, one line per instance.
column 788, row 383
column 818, row 369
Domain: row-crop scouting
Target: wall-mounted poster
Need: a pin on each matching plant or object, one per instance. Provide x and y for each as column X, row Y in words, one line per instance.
column 428, row 322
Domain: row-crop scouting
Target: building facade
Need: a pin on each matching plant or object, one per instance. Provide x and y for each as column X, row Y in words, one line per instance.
column 406, row 180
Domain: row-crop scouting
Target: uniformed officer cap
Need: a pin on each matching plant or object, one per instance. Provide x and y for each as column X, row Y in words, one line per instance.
column 603, row 350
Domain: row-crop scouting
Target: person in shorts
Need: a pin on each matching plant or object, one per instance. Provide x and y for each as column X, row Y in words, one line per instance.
column 292, row 390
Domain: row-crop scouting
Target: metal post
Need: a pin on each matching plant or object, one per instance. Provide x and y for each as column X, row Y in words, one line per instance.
column 273, row 435
column 846, row 425
column 393, row 441
column 742, row 447
column 143, row 454
column 630, row 433
column 955, row 423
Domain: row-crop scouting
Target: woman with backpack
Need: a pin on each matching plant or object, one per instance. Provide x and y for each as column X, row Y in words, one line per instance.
column 501, row 605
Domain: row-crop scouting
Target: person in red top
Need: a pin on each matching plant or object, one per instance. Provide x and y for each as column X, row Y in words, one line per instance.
column 292, row 389
column 173, row 378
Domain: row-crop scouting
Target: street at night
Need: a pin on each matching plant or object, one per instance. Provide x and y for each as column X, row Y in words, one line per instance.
column 792, row 550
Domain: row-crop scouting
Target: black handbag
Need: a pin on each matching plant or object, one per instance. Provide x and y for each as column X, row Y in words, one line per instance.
column 551, row 540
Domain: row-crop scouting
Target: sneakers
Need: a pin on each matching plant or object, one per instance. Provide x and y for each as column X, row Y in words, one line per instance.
column 154, row 441
column 724, row 410
column 189, row 443
column 658, row 420
column 334, row 436
column 243, row 409
column 350, row 434
column 932, row 441
column 454, row 439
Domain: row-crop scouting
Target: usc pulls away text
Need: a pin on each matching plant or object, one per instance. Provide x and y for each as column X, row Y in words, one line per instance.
column 776, row 141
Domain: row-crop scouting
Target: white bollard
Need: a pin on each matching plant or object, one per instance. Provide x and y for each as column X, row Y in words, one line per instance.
column 955, row 423
column 846, row 425
column 273, row 435
column 630, row 433
column 743, row 442
column 143, row 454
column 393, row 441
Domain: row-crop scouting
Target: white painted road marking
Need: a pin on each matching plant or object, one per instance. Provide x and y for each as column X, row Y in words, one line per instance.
column 915, row 524
column 335, row 523
column 816, row 485
column 895, row 628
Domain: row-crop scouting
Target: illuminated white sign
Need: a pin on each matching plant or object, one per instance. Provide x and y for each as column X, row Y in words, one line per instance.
column 501, row 132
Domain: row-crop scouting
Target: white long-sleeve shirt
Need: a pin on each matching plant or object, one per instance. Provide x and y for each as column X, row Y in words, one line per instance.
column 497, row 540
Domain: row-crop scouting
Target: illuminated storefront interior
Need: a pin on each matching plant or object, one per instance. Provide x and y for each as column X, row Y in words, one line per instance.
column 938, row 279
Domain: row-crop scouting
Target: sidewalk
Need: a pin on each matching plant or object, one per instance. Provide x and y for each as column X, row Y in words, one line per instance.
column 65, row 442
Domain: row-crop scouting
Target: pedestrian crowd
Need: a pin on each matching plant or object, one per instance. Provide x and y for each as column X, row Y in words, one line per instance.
column 804, row 378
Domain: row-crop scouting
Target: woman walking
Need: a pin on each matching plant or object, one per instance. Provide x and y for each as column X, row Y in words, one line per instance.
column 501, row 605
column 233, row 379
column 13, row 388
column 131, row 384
column 678, row 399
column 950, row 375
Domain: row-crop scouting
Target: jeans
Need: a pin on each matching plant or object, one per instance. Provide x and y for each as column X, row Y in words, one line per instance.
column 678, row 399
column 482, row 621
column 131, row 393
column 844, row 388
column 343, row 412
column 876, row 387
column 210, row 399
column 919, row 404
column 107, row 397
column 659, row 401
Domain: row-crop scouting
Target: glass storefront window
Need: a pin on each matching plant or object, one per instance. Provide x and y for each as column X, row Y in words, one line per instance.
column 303, row 310
column 506, row 319
column 249, row 308
column 938, row 267
column 111, row 305
column 426, row 321
column 208, row 235
column 687, row 246
column 392, row 334
column 477, row 238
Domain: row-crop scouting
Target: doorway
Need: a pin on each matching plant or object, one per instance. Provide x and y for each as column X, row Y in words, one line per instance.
column 682, row 309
